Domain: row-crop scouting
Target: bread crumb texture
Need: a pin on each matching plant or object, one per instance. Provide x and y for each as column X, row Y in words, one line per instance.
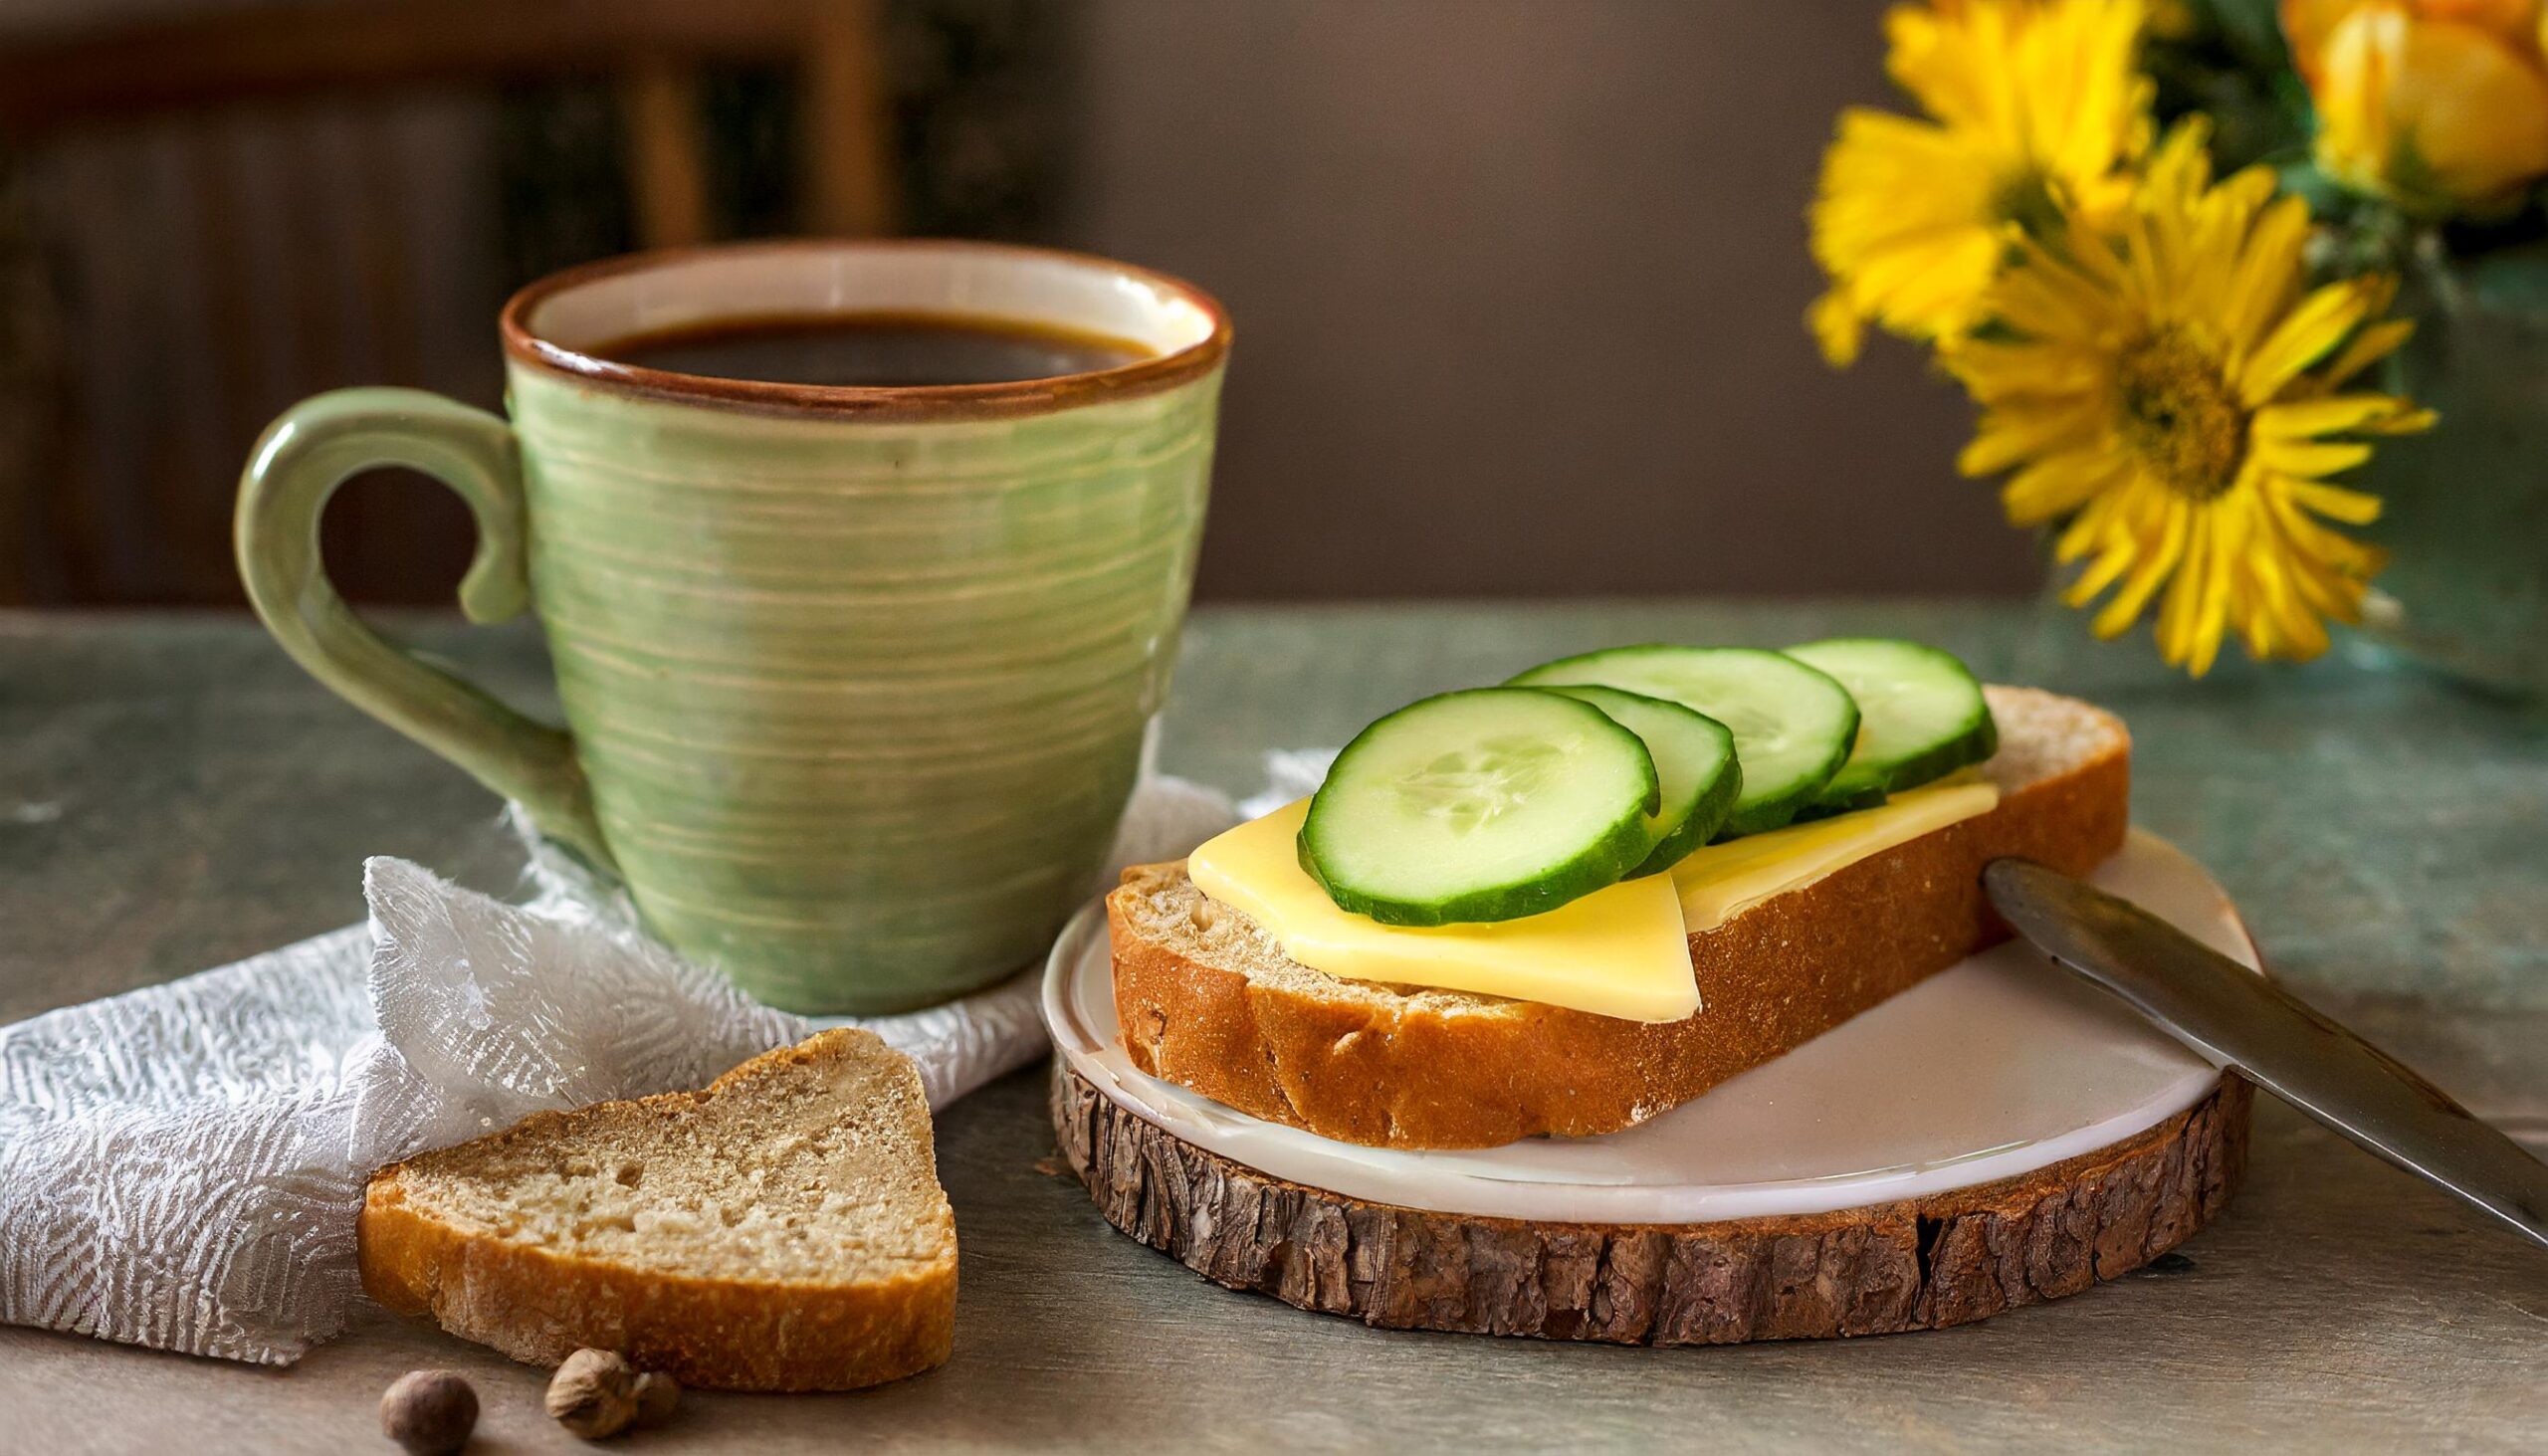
column 782, row 1228
column 799, row 1173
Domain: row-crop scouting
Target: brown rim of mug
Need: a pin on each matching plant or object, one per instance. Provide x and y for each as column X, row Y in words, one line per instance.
column 1017, row 396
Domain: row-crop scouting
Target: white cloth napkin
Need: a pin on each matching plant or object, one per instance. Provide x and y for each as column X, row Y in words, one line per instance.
column 180, row 1167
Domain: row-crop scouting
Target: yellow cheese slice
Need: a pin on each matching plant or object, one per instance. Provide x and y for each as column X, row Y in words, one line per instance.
column 1618, row 951
column 1721, row 880
column 1622, row 951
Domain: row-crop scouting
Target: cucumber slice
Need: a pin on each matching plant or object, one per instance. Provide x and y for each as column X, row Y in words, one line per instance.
column 1793, row 725
column 1922, row 716
column 1830, row 802
column 1693, row 759
column 1483, row 805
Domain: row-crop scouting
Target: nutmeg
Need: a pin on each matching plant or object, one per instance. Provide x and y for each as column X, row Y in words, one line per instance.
column 657, row 1394
column 429, row 1412
column 597, row 1393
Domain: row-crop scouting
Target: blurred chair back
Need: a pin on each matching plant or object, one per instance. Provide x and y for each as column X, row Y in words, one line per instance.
column 206, row 217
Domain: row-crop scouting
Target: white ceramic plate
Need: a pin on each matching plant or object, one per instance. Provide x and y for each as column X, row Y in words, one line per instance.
column 1996, row 1066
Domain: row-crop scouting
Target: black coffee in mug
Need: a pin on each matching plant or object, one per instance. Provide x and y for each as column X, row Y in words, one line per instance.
column 872, row 349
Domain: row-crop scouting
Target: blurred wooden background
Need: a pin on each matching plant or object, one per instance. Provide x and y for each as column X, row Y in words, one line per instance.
column 1518, row 284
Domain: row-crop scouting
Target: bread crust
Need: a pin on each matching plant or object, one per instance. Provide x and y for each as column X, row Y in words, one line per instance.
column 540, row 1306
column 1403, row 1072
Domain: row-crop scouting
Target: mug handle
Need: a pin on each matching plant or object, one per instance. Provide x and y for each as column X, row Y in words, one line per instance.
column 303, row 455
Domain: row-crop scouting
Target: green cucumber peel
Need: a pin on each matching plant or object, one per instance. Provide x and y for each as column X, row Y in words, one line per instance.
column 1794, row 724
column 1923, row 717
column 1487, row 804
column 1694, row 758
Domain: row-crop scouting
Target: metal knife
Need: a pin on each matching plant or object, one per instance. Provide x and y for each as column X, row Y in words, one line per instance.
column 2234, row 1018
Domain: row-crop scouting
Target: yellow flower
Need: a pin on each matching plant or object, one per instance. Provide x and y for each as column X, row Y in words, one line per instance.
column 2036, row 108
column 2173, row 393
column 2439, row 105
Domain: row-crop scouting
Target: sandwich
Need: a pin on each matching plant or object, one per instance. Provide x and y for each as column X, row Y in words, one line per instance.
column 1569, row 903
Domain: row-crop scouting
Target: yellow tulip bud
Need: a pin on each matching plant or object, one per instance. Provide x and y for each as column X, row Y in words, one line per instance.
column 2307, row 24
column 2439, row 115
column 2512, row 20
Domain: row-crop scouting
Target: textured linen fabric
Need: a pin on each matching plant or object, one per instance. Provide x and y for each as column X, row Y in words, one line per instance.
column 180, row 1167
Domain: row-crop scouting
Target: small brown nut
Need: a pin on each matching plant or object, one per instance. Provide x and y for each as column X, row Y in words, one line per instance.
column 593, row 1394
column 429, row 1412
column 657, row 1394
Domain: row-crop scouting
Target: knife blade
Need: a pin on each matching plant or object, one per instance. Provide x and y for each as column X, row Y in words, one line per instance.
column 2234, row 1018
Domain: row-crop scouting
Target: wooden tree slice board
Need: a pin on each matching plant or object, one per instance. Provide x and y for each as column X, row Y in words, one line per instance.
column 1997, row 1134
column 1947, row 1258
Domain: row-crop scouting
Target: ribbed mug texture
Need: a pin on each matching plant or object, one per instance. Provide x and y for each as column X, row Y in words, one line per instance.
column 860, row 699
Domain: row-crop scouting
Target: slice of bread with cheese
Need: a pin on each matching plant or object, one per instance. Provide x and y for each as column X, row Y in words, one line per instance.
column 1209, row 999
column 781, row 1230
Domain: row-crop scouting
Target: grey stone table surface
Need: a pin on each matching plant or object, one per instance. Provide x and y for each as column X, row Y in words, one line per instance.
column 174, row 794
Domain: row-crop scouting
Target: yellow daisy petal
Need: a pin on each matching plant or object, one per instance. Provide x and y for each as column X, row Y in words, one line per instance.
column 2179, row 605
column 2211, row 614
column 2057, row 485
column 2336, row 503
column 2305, row 334
column 2310, row 461
column 2032, row 106
column 2406, row 421
column 2158, row 555
column 1994, row 372
column 2306, row 419
column 2266, row 276
column 2374, row 343
column 2005, row 438
column 1836, row 326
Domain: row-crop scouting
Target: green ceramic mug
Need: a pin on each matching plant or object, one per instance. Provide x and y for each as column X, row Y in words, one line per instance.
column 855, row 679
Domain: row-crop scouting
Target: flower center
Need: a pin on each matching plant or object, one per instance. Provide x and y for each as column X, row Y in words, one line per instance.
column 2175, row 409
